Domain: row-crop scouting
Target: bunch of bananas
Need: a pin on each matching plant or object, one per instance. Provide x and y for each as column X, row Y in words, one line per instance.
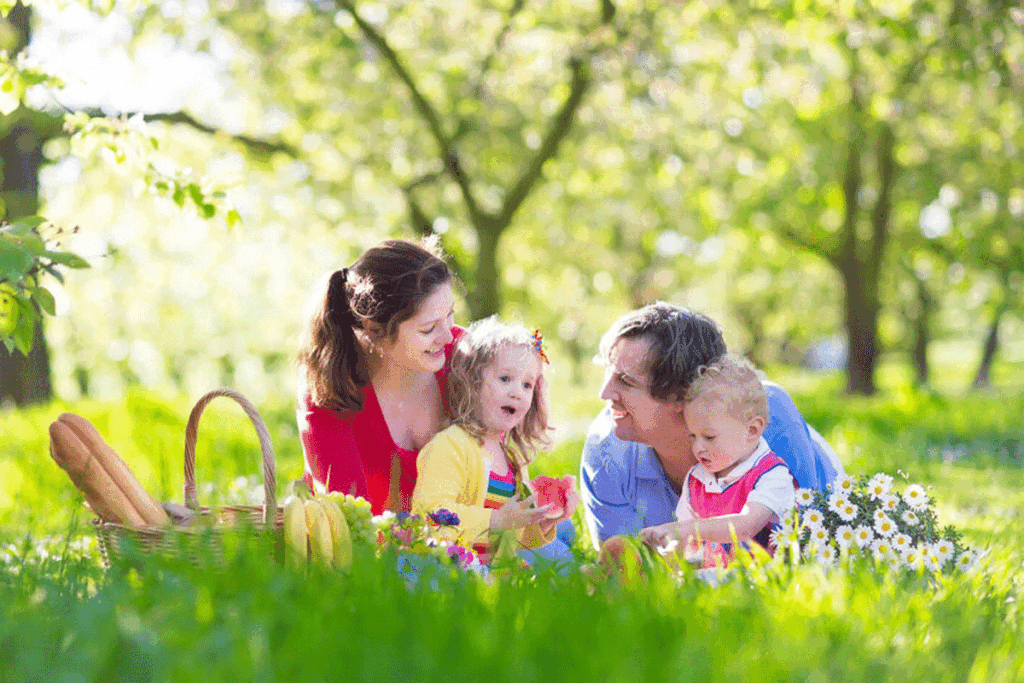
column 316, row 529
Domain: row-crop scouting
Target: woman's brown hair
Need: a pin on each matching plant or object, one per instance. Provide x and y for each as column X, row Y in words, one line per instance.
column 385, row 287
column 476, row 350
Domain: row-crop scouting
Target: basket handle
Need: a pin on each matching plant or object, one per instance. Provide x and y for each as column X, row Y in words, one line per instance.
column 192, row 431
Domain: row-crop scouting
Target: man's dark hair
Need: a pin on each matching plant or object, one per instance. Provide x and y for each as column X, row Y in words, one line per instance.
column 681, row 341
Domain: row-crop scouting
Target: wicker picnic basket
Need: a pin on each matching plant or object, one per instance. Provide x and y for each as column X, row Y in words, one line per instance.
column 199, row 532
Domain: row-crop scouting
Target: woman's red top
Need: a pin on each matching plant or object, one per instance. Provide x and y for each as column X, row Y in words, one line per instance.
column 353, row 452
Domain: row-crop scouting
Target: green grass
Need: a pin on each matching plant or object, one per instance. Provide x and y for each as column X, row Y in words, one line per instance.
column 66, row 619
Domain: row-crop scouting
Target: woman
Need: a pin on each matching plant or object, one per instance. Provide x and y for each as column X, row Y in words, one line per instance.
column 374, row 367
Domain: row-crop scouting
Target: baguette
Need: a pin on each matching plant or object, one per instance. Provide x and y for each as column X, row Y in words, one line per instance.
column 101, row 493
column 90, row 451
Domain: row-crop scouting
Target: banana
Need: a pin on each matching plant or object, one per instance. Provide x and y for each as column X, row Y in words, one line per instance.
column 321, row 544
column 340, row 533
column 295, row 534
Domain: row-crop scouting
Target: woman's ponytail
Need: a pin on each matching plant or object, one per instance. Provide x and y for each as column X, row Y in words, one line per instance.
column 331, row 357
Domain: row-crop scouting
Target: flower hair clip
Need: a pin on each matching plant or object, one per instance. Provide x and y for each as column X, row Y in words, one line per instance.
column 538, row 343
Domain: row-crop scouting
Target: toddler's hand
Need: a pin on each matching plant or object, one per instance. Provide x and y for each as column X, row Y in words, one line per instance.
column 658, row 536
column 517, row 513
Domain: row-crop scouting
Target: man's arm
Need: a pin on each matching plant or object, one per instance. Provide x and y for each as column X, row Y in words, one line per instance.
column 789, row 437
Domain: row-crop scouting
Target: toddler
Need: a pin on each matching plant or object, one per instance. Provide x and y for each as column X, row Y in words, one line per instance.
column 499, row 418
column 738, row 482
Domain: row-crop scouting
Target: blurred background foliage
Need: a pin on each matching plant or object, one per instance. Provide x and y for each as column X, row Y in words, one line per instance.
column 828, row 180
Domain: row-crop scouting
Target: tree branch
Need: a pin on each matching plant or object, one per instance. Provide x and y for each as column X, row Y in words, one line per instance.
column 560, row 126
column 447, row 152
column 257, row 145
column 499, row 42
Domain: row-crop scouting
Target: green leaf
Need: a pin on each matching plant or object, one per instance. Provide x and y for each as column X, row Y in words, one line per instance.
column 196, row 194
column 44, row 298
column 66, row 258
column 233, row 218
column 14, row 261
column 24, row 334
column 179, row 195
column 28, row 222
column 209, row 210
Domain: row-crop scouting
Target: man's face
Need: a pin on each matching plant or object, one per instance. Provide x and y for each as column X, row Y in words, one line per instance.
column 638, row 415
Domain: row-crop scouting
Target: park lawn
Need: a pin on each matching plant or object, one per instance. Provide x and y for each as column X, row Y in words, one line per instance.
column 165, row 620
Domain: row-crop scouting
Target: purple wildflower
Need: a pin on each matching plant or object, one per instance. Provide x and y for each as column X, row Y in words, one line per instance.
column 444, row 517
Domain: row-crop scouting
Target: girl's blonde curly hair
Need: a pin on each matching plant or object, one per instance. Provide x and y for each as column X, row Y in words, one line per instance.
column 475, row 350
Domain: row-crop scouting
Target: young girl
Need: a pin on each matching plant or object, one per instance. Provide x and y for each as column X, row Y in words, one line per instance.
column 499, row 420
column 738, row 484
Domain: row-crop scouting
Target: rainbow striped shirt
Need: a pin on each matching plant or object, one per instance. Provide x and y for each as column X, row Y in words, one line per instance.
column 499, row 489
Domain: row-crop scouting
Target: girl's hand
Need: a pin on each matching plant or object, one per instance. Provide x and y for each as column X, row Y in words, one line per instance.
column 572, row 500
column 517, row 513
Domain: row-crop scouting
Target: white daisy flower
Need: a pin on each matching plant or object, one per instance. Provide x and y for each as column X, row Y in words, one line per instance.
column 836, row 501
column 804, row 497
column 965, row 560
column 827, row 553
column 881, row 549
column 932, row 563
column 915, row 496
column 911, row 518
column 901, row 542
column 912, row 558
column 942, row 549
column 819, row 535
column 813, row 518
column 863, row 535
column 879, row 485
column 845, row 536
column 884, row 525
column 848, row 512
column 890, row 502
column 844, row 484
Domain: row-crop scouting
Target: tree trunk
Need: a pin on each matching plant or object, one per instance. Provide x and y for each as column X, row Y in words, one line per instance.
column 23, row 379
column 485, row 300
column 988, row 352
column 922, row 334
column 861, row 333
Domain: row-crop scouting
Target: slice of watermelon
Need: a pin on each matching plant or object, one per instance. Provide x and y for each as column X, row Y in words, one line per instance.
column 554, row 491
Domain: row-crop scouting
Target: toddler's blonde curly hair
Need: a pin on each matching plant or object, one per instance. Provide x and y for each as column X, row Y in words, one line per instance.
column 733, row 380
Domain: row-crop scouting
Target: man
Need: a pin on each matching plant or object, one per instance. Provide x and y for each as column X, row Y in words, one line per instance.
column 639, row 449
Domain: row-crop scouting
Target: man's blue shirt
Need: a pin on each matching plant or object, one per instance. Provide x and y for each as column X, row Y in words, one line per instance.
column 625, row 489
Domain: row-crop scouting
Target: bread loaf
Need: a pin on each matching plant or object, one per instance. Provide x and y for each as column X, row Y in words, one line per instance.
column 98, row 471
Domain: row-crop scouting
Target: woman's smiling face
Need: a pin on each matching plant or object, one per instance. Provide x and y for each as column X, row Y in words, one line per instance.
column 419, row 342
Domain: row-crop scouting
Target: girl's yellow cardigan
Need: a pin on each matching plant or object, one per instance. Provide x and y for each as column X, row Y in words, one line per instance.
column 452, row 474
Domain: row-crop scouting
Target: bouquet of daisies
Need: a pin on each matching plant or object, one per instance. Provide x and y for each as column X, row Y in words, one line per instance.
column 858, row 515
